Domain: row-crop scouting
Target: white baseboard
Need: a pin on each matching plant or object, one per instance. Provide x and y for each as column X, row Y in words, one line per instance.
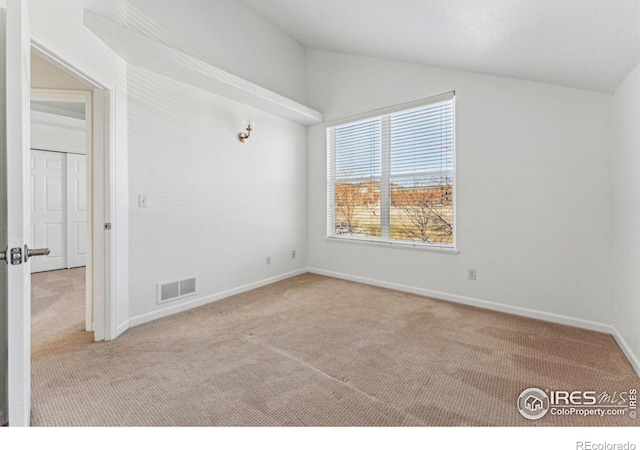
column 124, row 326
column 517, row 310
column 628, row 352
column 185, row 306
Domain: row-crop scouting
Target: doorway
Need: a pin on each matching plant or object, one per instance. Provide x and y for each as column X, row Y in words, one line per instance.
column 61, row 142
column 54, row 82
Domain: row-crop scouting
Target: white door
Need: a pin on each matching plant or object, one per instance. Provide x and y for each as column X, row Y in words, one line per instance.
column 58, row 209
column 17, row 49
column 3, row 227
column 76, row 210
column 49, row 209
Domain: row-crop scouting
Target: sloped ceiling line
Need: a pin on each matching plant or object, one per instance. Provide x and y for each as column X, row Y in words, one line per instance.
column 141, row 51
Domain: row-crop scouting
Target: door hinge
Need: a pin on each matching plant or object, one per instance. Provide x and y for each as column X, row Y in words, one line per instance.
column 107, row 226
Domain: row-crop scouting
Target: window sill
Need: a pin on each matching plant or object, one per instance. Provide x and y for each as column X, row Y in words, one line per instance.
column 399, row 245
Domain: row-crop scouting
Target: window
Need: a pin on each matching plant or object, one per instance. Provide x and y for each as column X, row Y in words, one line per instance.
column 391, row 177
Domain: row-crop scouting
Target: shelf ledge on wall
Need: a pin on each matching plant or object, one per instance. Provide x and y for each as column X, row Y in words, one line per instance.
column 141, row 51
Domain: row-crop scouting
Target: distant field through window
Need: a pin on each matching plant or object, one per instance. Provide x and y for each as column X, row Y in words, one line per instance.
column 391, row 177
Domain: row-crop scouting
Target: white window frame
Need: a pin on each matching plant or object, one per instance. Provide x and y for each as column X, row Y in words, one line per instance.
column 384, row 178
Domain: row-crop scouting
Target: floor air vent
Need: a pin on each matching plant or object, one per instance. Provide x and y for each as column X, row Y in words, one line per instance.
column 174, row 290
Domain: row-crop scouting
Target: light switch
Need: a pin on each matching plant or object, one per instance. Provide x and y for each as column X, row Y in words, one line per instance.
column 143, row 201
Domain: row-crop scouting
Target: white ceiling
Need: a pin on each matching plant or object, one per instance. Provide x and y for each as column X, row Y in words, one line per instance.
column 585, row 44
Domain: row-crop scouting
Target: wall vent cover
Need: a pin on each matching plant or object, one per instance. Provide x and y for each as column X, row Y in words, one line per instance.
column 175, row 290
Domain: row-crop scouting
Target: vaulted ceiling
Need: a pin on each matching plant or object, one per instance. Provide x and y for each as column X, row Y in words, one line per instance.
column 585, row 44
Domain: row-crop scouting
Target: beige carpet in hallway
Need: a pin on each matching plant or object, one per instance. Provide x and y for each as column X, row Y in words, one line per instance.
column 311, row 351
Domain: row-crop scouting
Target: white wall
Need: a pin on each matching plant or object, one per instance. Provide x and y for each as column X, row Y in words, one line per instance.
column 47, row 76
column 626, row 213
column 58, row 26
column 57, row 133
column 533, row 198
column 217, row 207
column 224, row 33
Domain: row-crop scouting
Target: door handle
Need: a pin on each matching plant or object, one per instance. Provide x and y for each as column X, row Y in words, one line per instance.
column 30, row 252
column 3, row 256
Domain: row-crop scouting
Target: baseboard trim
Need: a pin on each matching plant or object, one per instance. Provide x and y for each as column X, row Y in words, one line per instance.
column 500, row 307
column 626, row 349
column 124, row 326
column 185, row 306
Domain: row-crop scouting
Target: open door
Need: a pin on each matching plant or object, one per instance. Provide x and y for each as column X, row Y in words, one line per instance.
column 15, row 192
column 3, row 225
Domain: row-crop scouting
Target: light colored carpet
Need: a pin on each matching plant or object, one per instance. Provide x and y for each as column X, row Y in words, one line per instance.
column 310, row 351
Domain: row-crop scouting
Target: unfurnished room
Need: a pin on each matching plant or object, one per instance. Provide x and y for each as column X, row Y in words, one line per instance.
column 305, row 213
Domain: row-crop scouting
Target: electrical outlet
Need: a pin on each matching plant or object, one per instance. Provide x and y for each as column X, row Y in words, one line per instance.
column 293, row 254
column 268, row 260
column 472, row 274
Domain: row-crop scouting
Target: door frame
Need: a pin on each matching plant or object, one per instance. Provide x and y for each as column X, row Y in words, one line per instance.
column 100, row 304
column 93, row 300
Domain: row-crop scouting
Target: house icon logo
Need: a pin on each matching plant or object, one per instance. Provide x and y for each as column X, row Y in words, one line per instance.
column 533, row 403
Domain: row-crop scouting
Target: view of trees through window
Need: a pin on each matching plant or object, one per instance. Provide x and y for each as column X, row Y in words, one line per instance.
column 392, row 177
column 421, row 211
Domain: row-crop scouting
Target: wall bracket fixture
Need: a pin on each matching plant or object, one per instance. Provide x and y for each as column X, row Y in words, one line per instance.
column 245, row 135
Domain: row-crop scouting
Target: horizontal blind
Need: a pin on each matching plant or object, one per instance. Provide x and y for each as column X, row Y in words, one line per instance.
column 394, row 172
column 357, row 149
column 421, row 140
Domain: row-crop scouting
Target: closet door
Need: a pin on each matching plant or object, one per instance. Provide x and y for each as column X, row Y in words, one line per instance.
column 48, row 209
column 76, row 210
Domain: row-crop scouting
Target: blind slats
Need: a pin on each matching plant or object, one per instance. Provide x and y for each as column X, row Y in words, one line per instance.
column 357, row 149
column 422, row 140
column 392, row 177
